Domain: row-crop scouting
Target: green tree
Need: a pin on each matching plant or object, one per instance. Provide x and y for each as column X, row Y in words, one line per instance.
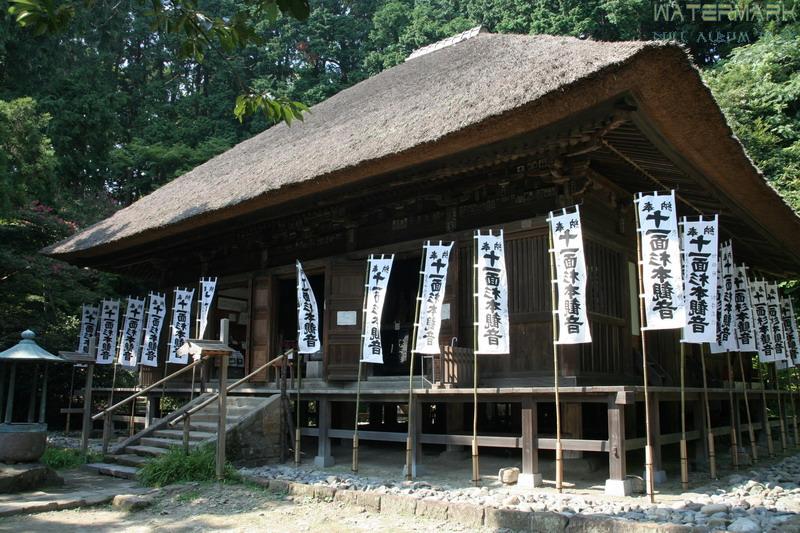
column 758, row 88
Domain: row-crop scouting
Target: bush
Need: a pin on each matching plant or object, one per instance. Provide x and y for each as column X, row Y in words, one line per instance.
column 66, row 458
column 175, row 466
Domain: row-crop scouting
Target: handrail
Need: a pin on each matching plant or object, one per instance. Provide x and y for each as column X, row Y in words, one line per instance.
column 229, row 388
column 147, row 389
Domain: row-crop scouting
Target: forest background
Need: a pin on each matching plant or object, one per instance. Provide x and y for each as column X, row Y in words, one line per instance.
column 104, row 111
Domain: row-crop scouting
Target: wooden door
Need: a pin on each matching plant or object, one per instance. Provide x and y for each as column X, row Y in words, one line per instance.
column 344, row 304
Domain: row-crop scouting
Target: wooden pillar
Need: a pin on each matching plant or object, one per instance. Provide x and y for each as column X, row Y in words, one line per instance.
column 417, row 445
column 572, row 426
column 86, row 426
column 699, row 425
column 375, row 415
column 324, row 457
column 150, row 409
column 655, row 431
column 531, row 476
column 616, row 484
column 454, row 423
column 223, row 402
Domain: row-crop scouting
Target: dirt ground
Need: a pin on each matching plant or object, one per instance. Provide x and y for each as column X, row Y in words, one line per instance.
column 214, row 507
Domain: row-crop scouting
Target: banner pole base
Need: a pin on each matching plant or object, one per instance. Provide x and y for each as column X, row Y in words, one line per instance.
column 712, row 457
column 476, row 476
column 684, row 465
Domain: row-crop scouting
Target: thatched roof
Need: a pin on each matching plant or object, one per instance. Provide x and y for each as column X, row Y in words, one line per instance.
column 480, row 90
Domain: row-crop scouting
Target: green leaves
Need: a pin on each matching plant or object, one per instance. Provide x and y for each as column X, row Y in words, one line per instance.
column 273, row 109
column 42, row 16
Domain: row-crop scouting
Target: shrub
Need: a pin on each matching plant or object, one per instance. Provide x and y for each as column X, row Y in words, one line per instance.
column 175, row 466
column 66, row 458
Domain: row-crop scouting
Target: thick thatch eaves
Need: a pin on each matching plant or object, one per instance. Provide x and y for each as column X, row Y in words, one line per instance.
column 477, row 91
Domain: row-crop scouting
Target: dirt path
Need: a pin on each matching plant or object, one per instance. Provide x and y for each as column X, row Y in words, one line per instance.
column 225, row 508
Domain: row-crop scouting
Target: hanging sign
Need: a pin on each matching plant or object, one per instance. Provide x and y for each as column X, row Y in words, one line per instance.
column 156, row 311
column 744, row 320
column 378, row 271
column 109, row 325
column 307, row 315
column 699, row 240
column 89, row 316
column 776, row 321
column 181, row 311
column 790, row 330
column 567, row 238
column 766, row 344
column 128, row 355
column 434, row 280
column 726, row 326
column 207, row 288
column 491, row 294
column 661, row 261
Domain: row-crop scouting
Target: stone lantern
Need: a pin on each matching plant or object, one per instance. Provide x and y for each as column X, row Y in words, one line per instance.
column 26, row 441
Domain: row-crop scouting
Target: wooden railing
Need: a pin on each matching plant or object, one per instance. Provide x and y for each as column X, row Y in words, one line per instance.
column 106, row 414
column 453, row 367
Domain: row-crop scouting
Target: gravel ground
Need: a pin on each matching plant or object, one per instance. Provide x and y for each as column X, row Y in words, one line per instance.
column 228, row 508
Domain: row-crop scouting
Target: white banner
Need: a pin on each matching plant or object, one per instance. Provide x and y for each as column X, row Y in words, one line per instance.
column 434, row 280
column 179, row 329
column 744, row 319
column 89, row 316
column 567, row 237
column 726, row 326
column 700, row 248
column 128, row 355
column 784, row 364
column 790, row 329
column 156, row 311
column 766, row 344
column 776, row 321
column 207, row 288
column 379, row 269
column 661, row 261
column 491, row 294
column 109, row 326
column 307, row 315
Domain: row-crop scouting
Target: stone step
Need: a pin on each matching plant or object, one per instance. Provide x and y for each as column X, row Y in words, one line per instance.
column 157, row 442
column 113, row 470
column 146, row 451
column 127, row 459
column 202, row 417
column 177, row 434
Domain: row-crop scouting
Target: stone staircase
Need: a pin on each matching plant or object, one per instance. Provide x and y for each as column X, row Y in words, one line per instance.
column 126, row 462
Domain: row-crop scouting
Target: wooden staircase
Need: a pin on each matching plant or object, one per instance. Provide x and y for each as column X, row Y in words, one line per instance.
column 126, row 461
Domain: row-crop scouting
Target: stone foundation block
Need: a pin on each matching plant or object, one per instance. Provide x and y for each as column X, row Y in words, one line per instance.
column 369, row 500
column 507, row 519
column 466, row 514
column 346, row 497
column 548, row 522
column 398, row 505
column 278, row 485
column 434, row 509
column 301, row 489
column 324, row 492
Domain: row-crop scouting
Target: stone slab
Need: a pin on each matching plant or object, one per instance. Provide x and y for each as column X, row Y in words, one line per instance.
column 466, row 514
column 508, row 519
column 27, row 476
column 398, row 505
column 369, row 500
column 433, row 509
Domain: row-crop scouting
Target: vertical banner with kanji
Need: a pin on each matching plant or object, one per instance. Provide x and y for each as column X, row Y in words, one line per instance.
column 109, row 326
column 776, row 321
column 790, row 329
column 491, row 294
column 699, row 241
column 181, row 321
column 89, row 316
column 307, row 315
column 156, row 311
column 207, row 288
column 661, row 261
column 744, row 320
column 726, row 326
column 378, row 271
column 131, row 333
column 434, row 279
column 567, row 238
column 766, row 343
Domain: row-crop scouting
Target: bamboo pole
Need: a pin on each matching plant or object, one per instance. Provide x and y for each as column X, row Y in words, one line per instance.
column 794, row 410
column 648, row 449
column 734, row 430
column 683, row 449
column 412, row 423
column 784, row 443
column 476, row 470
column 297, row 436
column 354, row 465
column 712, row 459
column 554, row 303
column 750, row 432
column 223, row 401
column 765, row 408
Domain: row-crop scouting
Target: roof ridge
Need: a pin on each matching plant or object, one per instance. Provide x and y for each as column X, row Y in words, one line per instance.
column 449, row 41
